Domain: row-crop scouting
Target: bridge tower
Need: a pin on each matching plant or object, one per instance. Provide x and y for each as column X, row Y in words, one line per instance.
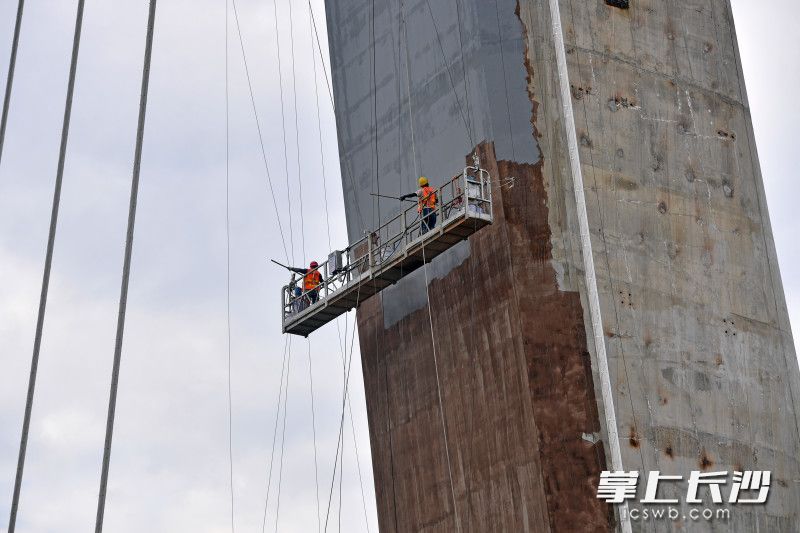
column 625, row 308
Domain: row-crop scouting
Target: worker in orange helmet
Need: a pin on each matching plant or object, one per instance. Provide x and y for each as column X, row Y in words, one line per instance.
column 312, row 279
column 426, row 204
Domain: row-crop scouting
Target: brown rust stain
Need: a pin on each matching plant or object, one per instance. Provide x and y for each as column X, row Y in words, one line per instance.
column 516, row 383
column 516, row 386
column 668, row 451
column 555, row 343
column 705, row 461
column 633, row 438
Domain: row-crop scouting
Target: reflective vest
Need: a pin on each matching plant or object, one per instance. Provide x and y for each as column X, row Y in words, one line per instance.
column 312, row 280
column 427, row 198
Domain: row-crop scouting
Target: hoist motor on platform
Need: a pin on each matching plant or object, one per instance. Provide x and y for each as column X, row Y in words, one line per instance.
column 390, row 252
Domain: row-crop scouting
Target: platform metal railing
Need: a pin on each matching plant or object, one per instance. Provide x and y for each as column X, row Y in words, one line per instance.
column 466, row 195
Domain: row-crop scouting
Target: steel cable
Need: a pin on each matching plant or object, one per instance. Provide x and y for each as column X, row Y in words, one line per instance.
column 12, row 63
column 228, row 263
column 275, row 433
column 258, row 128
column 126, row 269
column 48, row 263
column 427, row 281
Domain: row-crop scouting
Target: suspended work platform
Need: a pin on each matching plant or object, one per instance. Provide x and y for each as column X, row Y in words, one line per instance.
column 394, row 250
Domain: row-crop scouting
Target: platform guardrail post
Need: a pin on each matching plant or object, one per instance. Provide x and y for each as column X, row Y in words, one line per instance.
column 404, row 228
column 369, row 253
column 326, row 281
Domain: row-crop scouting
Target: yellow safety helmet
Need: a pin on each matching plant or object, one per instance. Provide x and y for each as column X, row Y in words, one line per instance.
column 423, row 181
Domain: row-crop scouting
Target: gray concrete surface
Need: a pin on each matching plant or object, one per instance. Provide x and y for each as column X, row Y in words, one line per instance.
column 702, row 361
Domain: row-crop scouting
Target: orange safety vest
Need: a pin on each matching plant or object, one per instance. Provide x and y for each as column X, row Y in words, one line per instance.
column 427, row 198
column 312, row 280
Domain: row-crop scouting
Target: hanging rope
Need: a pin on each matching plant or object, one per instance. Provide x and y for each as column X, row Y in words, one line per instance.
column 376, row 216
column 467, row 125
column 439, row 392
column 408, row 89
column 258, row 129
column 296, row 132
column 314, row 429
column 348, row 172
column 341, row 420
column 228, row 262
column 505, row 79
column 275, row 433
column 283, row 436
column 283, row 127
column 358, row 463
column 464, row 65
column 319, row 127
column 12, row 63
column 48, row 263
column 126, row 269
column 330, row 247
column 37, row 343
column 425, row 269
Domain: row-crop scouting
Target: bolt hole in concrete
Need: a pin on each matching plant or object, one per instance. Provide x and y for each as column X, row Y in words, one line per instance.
column 622, row 4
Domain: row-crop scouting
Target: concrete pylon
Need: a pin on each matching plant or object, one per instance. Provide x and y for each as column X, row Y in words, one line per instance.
column 624, row 311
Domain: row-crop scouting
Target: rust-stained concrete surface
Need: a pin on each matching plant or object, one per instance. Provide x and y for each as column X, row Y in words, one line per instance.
column 517, row 387
column 703, row 368
column 702, row 359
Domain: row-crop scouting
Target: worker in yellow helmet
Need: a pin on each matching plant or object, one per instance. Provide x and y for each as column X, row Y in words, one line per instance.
column 426, row 204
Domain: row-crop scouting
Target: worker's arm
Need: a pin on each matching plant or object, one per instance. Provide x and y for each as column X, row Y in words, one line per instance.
column 408, row 196
column 298, row 270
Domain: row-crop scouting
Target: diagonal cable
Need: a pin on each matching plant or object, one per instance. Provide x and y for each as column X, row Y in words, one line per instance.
column 228, row 261
column 12, row 63
column 48, row 262
column 275, row 433
column 283, row 127
column 126, row 268
column 258, row 127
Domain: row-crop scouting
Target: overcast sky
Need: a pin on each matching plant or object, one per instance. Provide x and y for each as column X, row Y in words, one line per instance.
column 170, row 467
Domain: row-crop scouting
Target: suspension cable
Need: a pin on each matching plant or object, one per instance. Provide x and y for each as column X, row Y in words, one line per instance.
column 258, row 129
column 283, row 436
column 228, row 261
column 348, row 172
column 408, row 87
column 450, row 75
column 315, row 36
column 12, row 63
column 319, row 128
column 341, row 421
column 275, row 433
column 283, row 127
column 439, row 392
column 48, row 263
column 427, row 291
column 377, row 170
column 358, row 463
column 328, row 230
column 321, row 55
column 314, row 430
column 296, row 131
column 505, row 78
column 464, row 65
column 126, row 269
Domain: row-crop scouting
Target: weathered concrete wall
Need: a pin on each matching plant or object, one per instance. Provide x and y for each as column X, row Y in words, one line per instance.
column 702, row 363
column 517, row 390
column 700, row 348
